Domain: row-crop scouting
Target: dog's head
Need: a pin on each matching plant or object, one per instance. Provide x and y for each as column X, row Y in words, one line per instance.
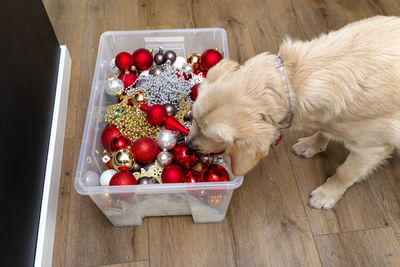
column 236, row 110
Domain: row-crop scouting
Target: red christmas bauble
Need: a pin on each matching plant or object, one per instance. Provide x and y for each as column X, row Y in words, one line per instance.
column 156, row 114
column 119, row 142
column 145, row 150
column 210, row 58
column 108, row 134
column 124, row 61
column 191, row 177
column 194, row 91
column 143, row 59
column 128, row 78
column 172, row 174
column 123, row 178
column 214, row 173
column 184, row 156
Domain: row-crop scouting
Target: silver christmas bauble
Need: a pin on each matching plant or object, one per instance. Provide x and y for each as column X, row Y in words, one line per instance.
column 189, row 115
column 144, row 74
column 187, row 68
column 206, row 159
column 159, row 58
column 171, row 109
column 136, row 167
column 166, row 139
column 164, row 158
column 114, row 86
column 156, row 70
column 147, row 180
column 113, row 68
column 179, row 62
column 170, row 55
column 148, row 166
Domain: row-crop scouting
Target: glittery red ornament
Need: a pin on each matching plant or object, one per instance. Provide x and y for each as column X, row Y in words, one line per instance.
column 108, row 134
column 156, row 114
column 128, row 78
column 191, row 177
column 210, row 58
column 172, row 174
column 143, row 59
column 214, row 173
column 184, row 156
column 171, row 123
column 119, row 142
column 194, row 91
column 123, row 178
column 145, row 150
column 124, row 61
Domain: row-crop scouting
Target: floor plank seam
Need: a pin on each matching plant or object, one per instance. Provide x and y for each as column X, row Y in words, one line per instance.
column 358, row 230
column 302, row 204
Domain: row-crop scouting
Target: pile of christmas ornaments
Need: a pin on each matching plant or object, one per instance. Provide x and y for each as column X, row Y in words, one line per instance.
column 144, row 140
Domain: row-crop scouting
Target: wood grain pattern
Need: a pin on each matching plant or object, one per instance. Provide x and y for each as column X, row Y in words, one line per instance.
column 376, row 247
column 358, row 202
column 130, row 264
column 268, row 222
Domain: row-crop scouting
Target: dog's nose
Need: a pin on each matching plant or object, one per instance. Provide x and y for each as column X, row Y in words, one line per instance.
column 190, row 144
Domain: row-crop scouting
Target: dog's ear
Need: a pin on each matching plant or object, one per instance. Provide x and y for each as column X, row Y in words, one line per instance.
column 245, row 155
column 223, row 67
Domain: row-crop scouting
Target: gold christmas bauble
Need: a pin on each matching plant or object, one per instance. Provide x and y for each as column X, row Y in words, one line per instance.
column 139, row 97
column 193, row 59
column 123, row 160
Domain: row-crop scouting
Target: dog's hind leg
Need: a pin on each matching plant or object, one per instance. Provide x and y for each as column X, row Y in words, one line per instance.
column 358, row 165
column 309, row 146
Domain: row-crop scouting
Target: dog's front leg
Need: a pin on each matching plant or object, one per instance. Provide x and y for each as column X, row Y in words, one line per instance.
column 309, row 146
column 357, row 165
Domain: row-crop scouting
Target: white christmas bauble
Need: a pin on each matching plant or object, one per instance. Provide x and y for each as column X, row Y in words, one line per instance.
column 114, row 86
column 91, row 178
column 106, row 177
column 179, row 62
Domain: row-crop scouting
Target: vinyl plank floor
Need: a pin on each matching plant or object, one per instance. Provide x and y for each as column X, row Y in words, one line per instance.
column 268, row 222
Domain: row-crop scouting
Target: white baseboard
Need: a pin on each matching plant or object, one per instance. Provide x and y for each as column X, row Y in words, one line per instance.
column 48, row 213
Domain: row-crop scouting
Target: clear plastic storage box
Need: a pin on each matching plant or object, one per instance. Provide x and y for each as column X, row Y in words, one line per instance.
column 206, row 202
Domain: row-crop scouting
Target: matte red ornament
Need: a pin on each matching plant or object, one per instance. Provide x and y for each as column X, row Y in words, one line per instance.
column 128, row 78
column 123, row 178
column 171, row 123
column 194, row 91
column 119, row 142
column 124, row 61
column 214, row 173
column 184, row 156
column 156, row 114
column 143, row 59
column 210, row 58
column 191, row 177
column 108, row 134
column 145, row 150
column 172, row 174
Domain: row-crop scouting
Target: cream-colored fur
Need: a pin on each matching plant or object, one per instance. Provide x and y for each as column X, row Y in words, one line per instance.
column 344, row 86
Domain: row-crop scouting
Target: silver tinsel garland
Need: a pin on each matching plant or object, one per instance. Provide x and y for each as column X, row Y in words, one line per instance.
column 166, row 88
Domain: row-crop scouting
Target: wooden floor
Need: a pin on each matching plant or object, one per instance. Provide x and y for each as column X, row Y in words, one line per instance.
column 268, row 222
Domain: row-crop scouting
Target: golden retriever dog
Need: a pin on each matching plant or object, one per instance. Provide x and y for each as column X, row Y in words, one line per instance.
column 343, row 86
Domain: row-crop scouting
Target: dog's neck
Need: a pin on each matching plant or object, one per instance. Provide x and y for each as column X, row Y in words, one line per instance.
column 286, row 122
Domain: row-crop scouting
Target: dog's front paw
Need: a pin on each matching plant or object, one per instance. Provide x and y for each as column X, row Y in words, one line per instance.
column 326, row 195
column 309, row 146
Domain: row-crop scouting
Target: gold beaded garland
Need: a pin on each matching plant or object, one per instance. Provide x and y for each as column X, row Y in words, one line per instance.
column 130, row 121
